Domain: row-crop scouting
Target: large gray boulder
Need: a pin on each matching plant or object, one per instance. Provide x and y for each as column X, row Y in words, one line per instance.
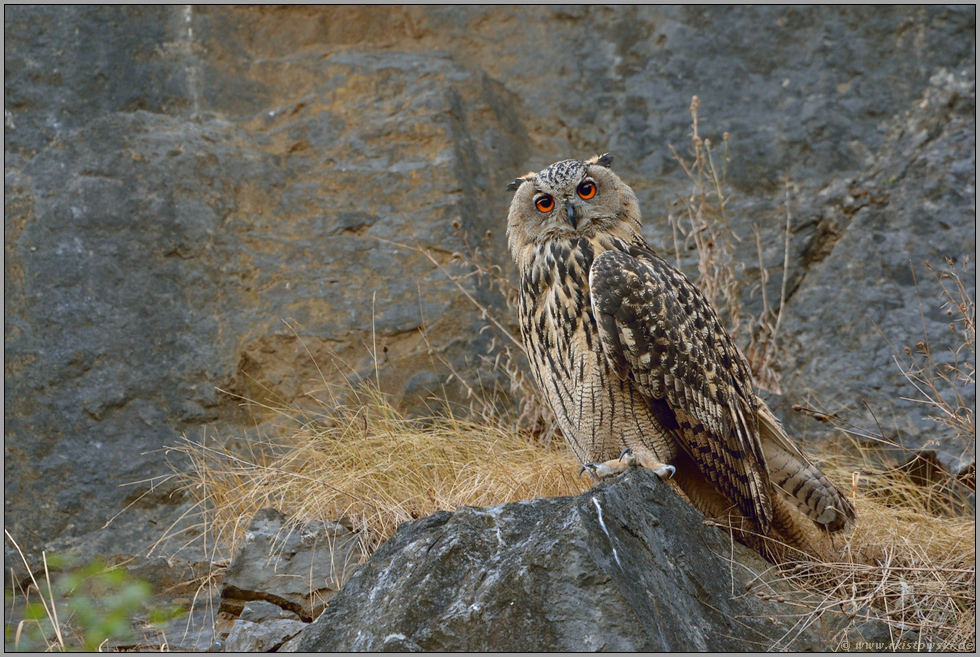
column 182, row 182
column 626, row 566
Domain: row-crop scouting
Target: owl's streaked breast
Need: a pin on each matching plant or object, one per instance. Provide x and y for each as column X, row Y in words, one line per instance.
column 594, row 407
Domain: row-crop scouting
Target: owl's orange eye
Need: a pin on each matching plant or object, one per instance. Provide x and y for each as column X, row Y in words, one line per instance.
column 587, row 189
column 545, row 203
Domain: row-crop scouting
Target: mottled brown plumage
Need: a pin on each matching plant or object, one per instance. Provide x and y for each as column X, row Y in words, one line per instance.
column 630, row 354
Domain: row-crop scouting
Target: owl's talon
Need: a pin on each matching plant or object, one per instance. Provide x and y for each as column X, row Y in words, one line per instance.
column 599, row 470
column 628, row 458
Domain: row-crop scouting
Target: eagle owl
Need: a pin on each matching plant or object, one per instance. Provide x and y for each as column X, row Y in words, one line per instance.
column 640, row 371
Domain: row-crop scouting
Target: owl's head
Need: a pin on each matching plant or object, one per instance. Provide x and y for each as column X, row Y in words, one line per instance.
column 569, row 200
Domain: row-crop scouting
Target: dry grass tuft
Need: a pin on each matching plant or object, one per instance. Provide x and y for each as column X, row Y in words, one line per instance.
column 366, row 461
column 910, row 563
column 911, row 560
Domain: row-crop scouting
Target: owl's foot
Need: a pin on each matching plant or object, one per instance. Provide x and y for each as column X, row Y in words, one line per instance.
column 602, row 470
column 627, row 459
column 662, row 470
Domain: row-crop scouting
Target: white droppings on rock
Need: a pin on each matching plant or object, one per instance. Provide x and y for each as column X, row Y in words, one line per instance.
column 602, row 524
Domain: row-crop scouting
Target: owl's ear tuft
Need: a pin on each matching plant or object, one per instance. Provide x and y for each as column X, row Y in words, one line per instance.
column 604, row 160
column 517, row 182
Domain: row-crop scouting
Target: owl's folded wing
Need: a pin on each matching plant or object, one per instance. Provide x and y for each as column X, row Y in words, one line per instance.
column 657, row 329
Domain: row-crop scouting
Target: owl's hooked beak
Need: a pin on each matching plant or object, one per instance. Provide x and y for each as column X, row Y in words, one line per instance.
column 570, row 214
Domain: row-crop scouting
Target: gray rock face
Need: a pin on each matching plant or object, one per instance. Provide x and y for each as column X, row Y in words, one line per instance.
column 298, row 568
column 154, row 258
column 181, row 181
column 915, row 204
column 626, row 566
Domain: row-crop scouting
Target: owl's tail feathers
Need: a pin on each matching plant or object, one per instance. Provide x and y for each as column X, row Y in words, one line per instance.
column 798, row 481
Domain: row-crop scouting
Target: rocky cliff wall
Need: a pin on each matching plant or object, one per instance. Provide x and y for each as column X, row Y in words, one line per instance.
column 195, row 198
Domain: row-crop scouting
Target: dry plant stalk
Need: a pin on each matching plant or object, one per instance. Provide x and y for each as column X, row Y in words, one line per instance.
column 708, row 227
column 911, row 558
column 56, row 642
column 704, row 223
column 506, row 354
column 940, row 384
column 910, row 563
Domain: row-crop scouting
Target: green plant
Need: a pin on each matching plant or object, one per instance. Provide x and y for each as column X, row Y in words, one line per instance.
column 87, row 607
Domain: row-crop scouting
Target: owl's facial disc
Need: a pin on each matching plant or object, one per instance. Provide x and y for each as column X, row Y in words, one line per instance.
column 568, row 185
